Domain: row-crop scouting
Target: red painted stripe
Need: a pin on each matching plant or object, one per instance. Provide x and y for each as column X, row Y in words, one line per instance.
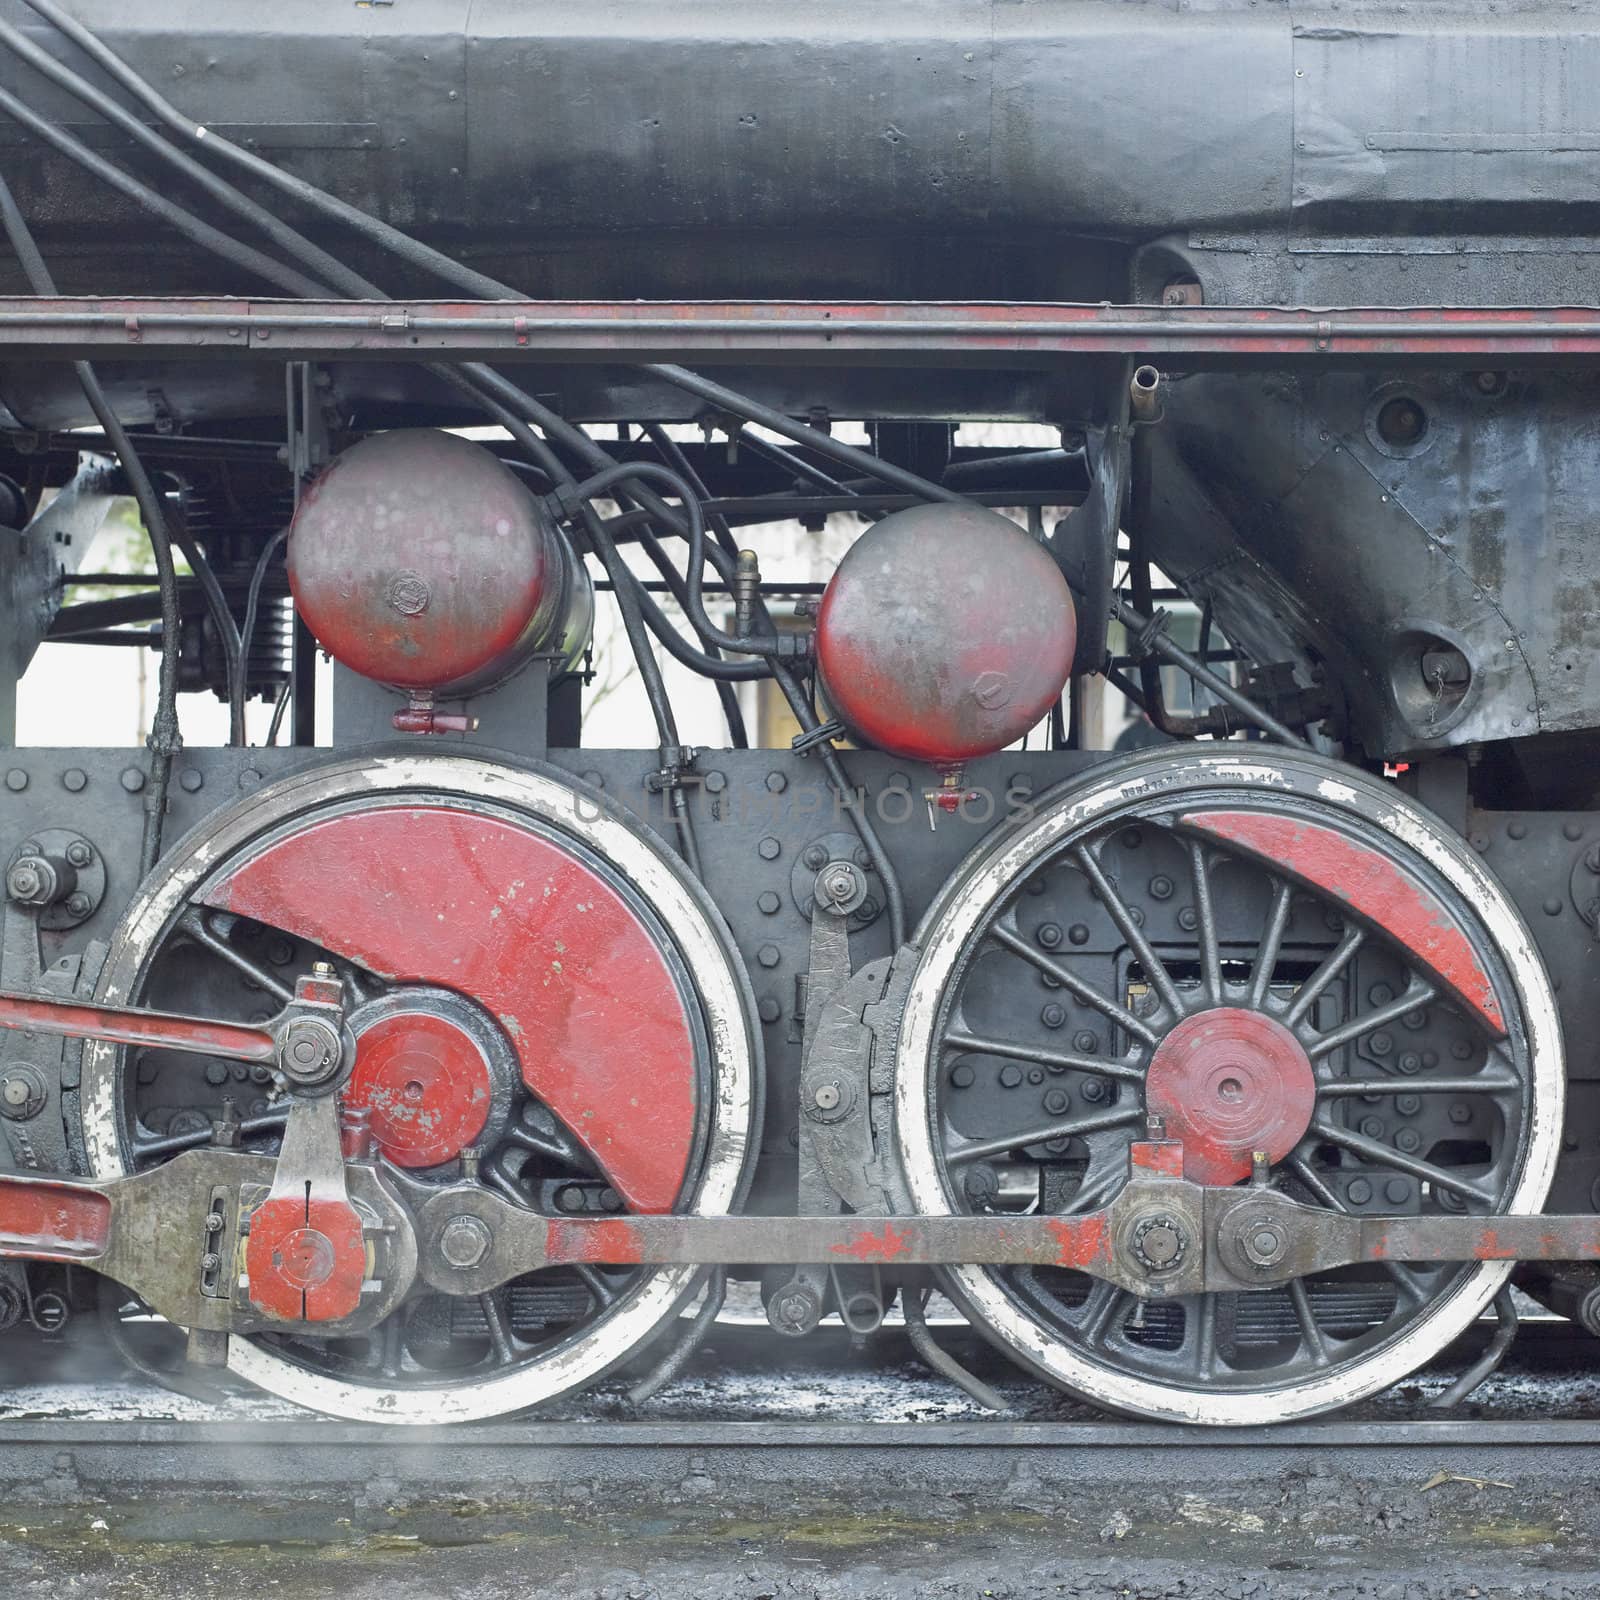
column 1371, row 886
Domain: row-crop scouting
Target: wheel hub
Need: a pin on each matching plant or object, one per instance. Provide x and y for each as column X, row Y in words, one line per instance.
column 1229, row 1082
column 425, row 1083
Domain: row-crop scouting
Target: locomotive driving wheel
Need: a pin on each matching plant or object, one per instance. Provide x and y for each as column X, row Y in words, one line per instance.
column 542, row 1001
column 1271, row 954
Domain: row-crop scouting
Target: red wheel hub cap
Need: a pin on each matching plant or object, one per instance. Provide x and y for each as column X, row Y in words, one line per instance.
column 425, row 1085
column 1229, row 1082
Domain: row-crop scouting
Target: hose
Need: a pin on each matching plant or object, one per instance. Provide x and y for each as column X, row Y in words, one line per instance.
column 164, row 739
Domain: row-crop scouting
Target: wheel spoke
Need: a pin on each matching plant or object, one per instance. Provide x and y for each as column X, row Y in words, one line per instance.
column 1160, row 978
column 1075, row 985
column 982, row 1044
column 1417, row 994
column 1043, row 1134
column 1097, row 1323
column 1359, row 1144
column 1271, row 943
column 599, row 1286
column 1204, row 1361
column 1205, row 914
column 1310, row 1333
column 1465, row 1083
column 500, row 1338
column 194, row 924
column 1332, row 965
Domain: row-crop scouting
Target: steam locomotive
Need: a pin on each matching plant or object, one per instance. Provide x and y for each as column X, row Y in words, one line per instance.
column 425, row 1063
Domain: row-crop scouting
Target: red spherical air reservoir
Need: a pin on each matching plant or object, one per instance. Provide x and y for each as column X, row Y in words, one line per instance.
column 946, row 633
column 418, row 559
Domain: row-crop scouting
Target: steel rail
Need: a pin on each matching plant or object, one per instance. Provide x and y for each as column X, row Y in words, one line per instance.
column 737, row 331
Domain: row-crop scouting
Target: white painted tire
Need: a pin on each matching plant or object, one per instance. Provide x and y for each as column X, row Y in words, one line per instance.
column 1151, row 777
column 676, row 901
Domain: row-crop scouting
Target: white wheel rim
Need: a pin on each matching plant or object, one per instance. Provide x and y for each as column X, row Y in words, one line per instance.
column 701, row 942
column 954, row 918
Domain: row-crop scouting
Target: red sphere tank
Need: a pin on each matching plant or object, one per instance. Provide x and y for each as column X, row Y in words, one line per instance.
column 418, row 559
column 946, row 633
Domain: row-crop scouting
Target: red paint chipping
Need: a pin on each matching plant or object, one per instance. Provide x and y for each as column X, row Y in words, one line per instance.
column 1164, row 1157
column 442, row 895
column 1083, row 1240
column 305, row 1259
column 1228, row 1082
column 601, row 1241
column 875, row 1248
column 1371, row 886
column 45, row 1221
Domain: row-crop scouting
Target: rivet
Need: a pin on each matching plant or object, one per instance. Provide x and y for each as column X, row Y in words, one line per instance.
column 1078, row 933
column 1187, row 919
column 1056, row 1101
column 1517, row 829
column 777, row 782
column 768, row 1008
column 1397, row 1191
column 1358, row 1191
column 1161, row 886
column 1552, row 907
column 769, row 849
column 962, row 1076
column 16, row 780
column 769, row 955
column 1572, row 831
column 191, row 780
column 249, row 778
column 132, row 779
column 1010, row 1077
column 595, row 780
column 74, row 779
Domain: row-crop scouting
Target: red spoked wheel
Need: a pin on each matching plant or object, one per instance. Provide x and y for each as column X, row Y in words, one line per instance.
column 1271, row 953
column 542, row 999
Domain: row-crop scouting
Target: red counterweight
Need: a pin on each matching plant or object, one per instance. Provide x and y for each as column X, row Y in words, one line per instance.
column 945, row 634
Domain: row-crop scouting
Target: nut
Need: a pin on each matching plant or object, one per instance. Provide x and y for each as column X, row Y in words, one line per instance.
column 464, row 1241
column 1160, row 1242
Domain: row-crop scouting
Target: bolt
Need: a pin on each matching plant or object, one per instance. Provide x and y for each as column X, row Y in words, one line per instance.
column 14, row 1091
column 78, row 904
column 868, row 909
column 1591, row 859
column 1010, row 1077
column 16, row 780
column 767, row 903
column 826, row 1096
column 1187, row 920
column 25, row 882
column 74, row 779
column 769, row 1009
column 839, row 885
column 1161, row 886
column 214, row 1222
column 132, row 779
column 1409, row 1140
column 1397, row 1191
column 777, row 782
column 1460, row 1113
column 769, row 849
column 815, row 857
column 1094, row 1091
column 962, row 1076
column 191, row 780
column 1382, row 1043
column 464, row 1241
column 1264, row 1245
column 1078, row 933
column 793, row 1313
column 1049, row 935
column 1053, row 1015
column 210, row 1261
column 1085, row 1042
column 714, row 782
column 79, row 853
column 1358, row 1191
column 769, row 955
column 322, row 969
column 1056, row 1101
